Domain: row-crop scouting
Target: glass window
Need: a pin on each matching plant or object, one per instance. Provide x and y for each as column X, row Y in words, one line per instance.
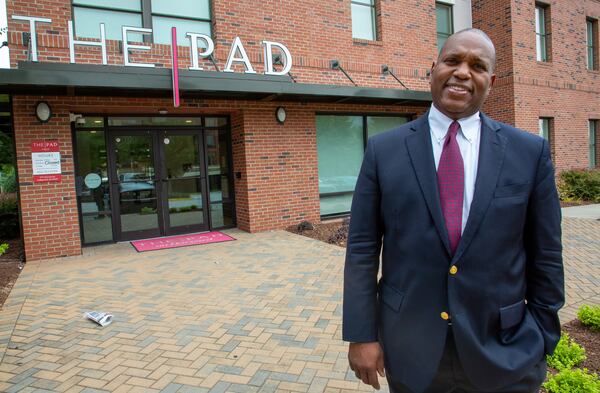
column 540, row 33
column 215, row 121
column 593, row 138
column 544, row 129
column 379, row 124
column 592, row 44
column 363, row 19
column 93, row 190
column 90, row 122
column 97, row 229
column 445, row 24
column 198, row 9
column 340, row 149
column 191, row 16
column 219, row 181
column 186, row 15
column 87, row 23
column 127, row 5
column 154, row 121
column 161, row 29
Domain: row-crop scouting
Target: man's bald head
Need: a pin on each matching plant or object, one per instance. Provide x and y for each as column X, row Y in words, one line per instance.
column 486, row 40
column 463, row 76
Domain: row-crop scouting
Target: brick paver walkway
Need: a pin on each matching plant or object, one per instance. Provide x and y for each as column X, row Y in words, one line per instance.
column 261, row 314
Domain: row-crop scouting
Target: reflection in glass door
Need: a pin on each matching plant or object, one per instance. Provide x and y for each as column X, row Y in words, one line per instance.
column 134, row 180
column 183, row 181
column 219, row 178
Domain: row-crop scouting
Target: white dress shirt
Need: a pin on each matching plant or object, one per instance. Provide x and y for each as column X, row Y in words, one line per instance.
column 468, row 143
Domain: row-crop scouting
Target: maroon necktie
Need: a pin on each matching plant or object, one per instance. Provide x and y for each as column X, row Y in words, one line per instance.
column 451, row 182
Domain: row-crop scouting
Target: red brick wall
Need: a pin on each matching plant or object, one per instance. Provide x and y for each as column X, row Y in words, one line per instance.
column 314, row 31
column 562, row 88
column 278, row 163
column 48, row 210
column 494, row 17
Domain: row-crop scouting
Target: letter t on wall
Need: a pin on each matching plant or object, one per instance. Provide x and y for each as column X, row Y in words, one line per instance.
column 32, row 20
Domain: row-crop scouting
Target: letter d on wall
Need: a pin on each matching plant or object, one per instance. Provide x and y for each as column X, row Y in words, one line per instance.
column 286, row 58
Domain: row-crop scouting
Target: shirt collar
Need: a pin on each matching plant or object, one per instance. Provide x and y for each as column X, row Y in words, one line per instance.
column 439, row 123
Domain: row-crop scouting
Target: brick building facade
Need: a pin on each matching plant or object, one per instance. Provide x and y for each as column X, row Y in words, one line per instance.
column 250, row 170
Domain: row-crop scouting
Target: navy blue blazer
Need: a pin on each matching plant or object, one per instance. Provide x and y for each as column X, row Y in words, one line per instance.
column 508, row 287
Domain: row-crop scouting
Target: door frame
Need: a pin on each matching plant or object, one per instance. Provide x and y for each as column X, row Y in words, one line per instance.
column 115, row 189
column 154, row 130
column 168, row 230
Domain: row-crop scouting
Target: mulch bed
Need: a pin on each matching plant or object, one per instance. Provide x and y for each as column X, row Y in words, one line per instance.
column 332, row 232
column 9, row 267
column 589, row 340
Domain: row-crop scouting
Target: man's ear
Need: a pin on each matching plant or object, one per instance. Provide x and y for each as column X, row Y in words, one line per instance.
column 431, row 71
column 492, row 80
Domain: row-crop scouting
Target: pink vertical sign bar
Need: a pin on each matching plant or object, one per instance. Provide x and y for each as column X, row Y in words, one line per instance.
column 175, row 63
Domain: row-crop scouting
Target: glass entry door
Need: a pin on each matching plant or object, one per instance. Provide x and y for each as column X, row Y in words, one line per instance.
column 159, row 183
column 183, row 182
column 135, row 185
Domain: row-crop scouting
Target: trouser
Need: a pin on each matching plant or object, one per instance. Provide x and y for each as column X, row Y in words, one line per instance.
column 451, row 378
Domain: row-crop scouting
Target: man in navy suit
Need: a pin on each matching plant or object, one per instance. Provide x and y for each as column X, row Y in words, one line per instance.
column 464, row 213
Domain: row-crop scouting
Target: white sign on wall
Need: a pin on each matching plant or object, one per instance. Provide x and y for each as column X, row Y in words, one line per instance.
column 45, row 161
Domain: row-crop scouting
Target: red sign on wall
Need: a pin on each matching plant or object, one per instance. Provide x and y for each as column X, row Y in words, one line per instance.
column 45, row 161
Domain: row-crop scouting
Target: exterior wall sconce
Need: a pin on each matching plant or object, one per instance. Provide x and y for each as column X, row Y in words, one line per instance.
column 280, row 114
column 43, row 112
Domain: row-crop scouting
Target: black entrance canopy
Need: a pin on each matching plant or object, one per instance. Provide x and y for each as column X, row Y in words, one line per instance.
column 90, row 79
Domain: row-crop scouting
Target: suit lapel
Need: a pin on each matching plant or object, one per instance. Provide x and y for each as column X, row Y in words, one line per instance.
column 491, row 155
column 421, row 156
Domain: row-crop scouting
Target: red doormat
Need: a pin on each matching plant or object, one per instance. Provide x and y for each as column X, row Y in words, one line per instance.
column 193, row 239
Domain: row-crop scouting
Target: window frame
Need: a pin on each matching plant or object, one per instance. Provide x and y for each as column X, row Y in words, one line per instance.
column 541, row 53
column 365, row 136
column 593, row 135
column 546, row 36
column 591, row 42
column 373, row 8
column 548, row 133
column 450, row 8
column 146, row 14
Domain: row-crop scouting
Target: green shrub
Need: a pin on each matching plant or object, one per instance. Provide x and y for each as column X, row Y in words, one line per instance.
column 3, row 248
column 8, row 179
column 573, row 381
column 567, row 354
column 9, row 216
column 8, row 203
column 590, row 316
column 579, row 185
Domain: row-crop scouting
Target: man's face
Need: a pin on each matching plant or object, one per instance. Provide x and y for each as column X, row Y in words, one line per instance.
column 463, row 75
